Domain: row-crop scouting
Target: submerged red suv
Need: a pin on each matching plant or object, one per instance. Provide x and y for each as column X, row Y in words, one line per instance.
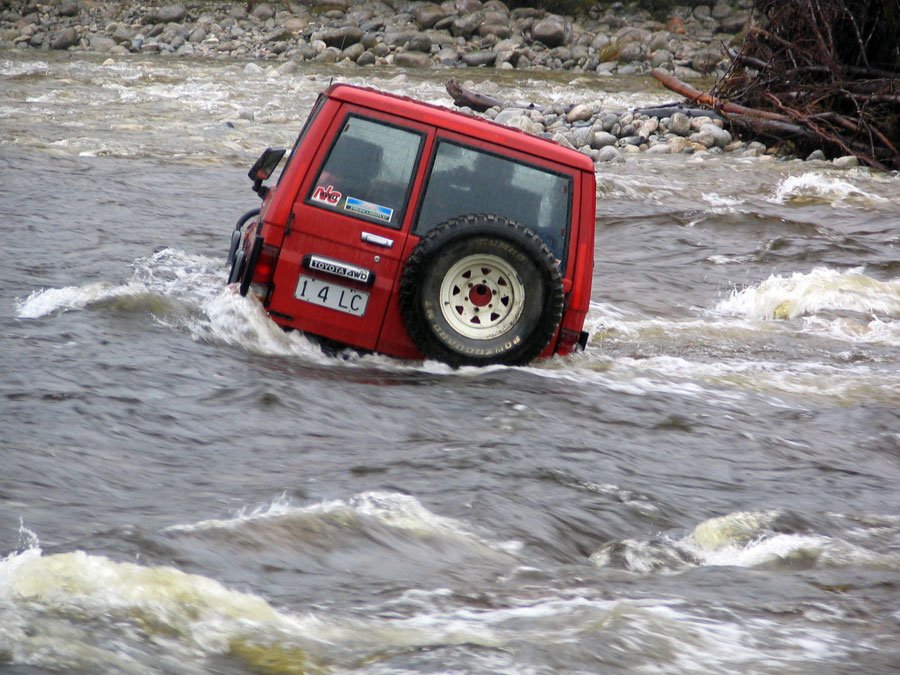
column 417, row 231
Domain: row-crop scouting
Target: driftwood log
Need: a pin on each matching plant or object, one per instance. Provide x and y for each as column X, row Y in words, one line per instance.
column 822, row 73
column 760, row 122
column 472, row 99
column 466, row 98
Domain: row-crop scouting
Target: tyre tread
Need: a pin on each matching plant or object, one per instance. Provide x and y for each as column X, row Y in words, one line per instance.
column 481, row 224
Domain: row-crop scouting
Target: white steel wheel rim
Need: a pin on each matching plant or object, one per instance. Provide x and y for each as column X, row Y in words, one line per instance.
column 482, row 297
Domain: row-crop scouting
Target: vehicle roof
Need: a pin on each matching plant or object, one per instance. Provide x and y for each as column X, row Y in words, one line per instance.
column 453, row 120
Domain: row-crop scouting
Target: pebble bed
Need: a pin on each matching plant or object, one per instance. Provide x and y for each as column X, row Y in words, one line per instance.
column 613, row 39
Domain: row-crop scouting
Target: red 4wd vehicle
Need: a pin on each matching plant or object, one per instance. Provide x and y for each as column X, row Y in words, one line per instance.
column 416, row 231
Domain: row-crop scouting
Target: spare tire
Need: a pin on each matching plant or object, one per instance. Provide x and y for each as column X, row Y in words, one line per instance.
column 479, row 290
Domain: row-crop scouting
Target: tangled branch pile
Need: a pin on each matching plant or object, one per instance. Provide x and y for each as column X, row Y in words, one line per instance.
column 822, row 74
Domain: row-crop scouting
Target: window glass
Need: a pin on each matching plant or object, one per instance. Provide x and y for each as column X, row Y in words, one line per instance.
column 368, row 172
column 465, row 180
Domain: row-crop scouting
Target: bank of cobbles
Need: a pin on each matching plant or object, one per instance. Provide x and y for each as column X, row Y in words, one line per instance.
column 613, row 39
column 465, row 33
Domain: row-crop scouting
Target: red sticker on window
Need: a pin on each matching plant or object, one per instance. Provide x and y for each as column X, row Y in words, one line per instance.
column 326, row 195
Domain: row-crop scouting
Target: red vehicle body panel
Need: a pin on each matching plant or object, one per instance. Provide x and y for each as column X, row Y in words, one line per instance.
column 290, row 222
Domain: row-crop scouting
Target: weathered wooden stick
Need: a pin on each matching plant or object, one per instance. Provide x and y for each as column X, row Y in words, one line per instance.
column 697, row 96
column 465, row 97
column 671, row 108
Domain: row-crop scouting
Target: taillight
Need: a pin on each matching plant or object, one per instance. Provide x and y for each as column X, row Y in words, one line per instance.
column 265, row 264
column 260, row 270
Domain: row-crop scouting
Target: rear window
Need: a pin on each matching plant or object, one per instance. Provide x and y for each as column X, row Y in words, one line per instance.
column 468, row 180
column 368, row 172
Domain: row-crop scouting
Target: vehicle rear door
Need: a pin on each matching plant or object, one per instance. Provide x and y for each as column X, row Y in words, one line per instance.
column 349, row 224
column 470, row 176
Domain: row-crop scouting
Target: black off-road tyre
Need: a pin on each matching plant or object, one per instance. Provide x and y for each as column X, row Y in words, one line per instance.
column 480, row 290
column 237, row 267
column 237, row 235
column 246, row 277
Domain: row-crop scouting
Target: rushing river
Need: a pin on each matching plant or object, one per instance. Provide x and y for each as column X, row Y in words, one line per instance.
column 711, row 487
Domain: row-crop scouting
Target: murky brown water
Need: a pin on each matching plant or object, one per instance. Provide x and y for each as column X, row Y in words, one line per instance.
column 711, row 487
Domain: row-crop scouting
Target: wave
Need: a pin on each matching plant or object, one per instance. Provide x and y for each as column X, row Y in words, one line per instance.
column 81, row 612
column 24, row 70
column 819, row 187
column 821, row 290
column 186, row 292
column 369, row 515
column 755, row 539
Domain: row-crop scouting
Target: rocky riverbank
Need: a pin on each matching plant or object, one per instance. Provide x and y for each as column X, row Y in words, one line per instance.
column 613, row 39
column 610, row 39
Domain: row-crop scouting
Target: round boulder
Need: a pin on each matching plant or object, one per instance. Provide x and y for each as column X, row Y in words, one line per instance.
column 607, row 154
column 466, row 25
column 263, row 12
column 170, row 14
column 705, row 60
column 412, row 60
column 580, row 113
column 428, row 14
column 602, row 139
column 680, row 124
column 631, row 51
column 341, row 37
column 552, row 31
column 68, row 37
column 420, row 42
column 501, row 31
column 481, row 57
column 68, row 8
column 468, row 6
column 353, row 52
column 101, row 43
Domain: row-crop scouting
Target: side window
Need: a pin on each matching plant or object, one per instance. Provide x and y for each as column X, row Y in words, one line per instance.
column 465, row 180
column 368, row 172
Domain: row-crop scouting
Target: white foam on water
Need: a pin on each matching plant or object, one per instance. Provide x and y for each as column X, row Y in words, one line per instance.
column 241, row 321
column 79, row 611
column 619, row 375
column 167, row 273
column 605, row 321
column 814, row 550
column 724, row 365
column 194, row 94
column 188, row 292
column 855, row 330
column 741, row 539
column 396, row 511
column 721, row 203
column 17, row 69
column 729, row 259
column 728, row 380
column 820, row 290
column 76, row 611
column 661, row 636
column 853, row 383
column 53, row 300
column 817, row 186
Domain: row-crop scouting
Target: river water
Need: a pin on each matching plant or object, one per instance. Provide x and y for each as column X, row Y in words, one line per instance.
column 711, row 487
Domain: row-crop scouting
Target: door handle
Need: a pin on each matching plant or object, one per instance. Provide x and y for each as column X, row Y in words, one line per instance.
column 376, row 239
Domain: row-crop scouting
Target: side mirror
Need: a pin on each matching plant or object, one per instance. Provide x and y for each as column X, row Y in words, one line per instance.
column 264, row 167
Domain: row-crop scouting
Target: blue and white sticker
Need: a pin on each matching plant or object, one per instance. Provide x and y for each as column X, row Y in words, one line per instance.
column 369, row 209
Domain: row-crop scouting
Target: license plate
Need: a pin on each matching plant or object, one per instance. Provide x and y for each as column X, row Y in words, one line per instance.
column 331, row 295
